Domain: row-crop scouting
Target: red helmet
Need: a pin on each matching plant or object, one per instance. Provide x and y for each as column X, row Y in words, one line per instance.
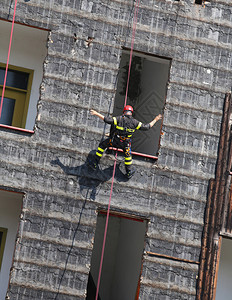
column 128, row 108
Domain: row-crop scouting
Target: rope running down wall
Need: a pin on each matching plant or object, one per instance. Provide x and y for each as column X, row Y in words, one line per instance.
column 108, row 210
column 8, row 58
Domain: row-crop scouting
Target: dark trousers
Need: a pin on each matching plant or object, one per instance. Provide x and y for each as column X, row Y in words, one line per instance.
column 116, row 142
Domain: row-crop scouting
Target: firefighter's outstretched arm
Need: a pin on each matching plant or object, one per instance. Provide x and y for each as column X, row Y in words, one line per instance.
column 95, row 113
column 157, row 118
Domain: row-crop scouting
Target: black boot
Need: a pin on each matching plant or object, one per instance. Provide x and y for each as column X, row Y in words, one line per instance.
column 93, row 163
column 129, row 173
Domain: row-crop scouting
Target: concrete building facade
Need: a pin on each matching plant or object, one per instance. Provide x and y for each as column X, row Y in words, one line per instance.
column 70, row 56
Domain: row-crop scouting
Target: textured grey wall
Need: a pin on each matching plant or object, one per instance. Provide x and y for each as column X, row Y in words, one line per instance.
column 61, row 196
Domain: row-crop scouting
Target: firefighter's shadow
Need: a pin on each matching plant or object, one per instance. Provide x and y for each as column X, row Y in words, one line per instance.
column 90, row 180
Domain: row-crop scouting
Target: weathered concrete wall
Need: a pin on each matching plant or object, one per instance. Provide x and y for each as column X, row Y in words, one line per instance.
column 61, row 196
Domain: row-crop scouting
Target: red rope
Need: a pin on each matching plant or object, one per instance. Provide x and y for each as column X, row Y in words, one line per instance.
column 8, row 58
column 132, row 46
column 106, row 226
column 108, row 211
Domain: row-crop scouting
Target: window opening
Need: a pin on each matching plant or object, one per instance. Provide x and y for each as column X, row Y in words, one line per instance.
column 202, row 2
column 122, row 258
column 25, row 73
column 227, row 224
column 146, row 93
column 224, row 286
column 10, row 209
column 16, row 96
column 3, row 232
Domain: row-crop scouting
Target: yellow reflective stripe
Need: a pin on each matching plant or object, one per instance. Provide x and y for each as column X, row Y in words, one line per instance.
column 128, row 163
column 128, row 158
column 100, row 149
column 139, row 125
column 129, row 136
column 120, row 128
column 115, row 121
column 99, row 154
column 130, row 130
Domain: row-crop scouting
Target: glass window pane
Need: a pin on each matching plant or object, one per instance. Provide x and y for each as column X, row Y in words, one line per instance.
column 14, row 79
column 7, row 111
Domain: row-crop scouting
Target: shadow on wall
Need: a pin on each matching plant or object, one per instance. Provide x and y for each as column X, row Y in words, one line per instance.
column 90, row 181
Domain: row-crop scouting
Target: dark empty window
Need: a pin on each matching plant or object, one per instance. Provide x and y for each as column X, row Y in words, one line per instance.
column 147, row 93
column 202, row 2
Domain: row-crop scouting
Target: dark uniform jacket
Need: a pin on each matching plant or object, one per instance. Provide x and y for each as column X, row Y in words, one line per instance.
column 124, row 126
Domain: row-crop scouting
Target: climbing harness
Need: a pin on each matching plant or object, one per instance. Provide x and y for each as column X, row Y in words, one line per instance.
column 131, row 172
column 123, row 138
column 8, row 58
column 124, row 131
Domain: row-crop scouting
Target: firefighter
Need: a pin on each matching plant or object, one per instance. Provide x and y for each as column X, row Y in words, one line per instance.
column 123, row 128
